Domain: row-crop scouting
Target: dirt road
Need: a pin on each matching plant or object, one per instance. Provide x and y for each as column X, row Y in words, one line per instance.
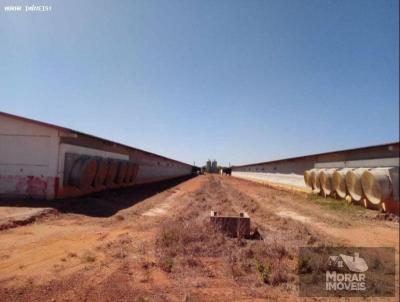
column 155, row 244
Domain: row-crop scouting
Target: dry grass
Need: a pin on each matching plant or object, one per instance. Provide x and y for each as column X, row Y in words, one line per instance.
column 88, row 257
column 119, row 217
column 166, row 263
column 72, row 255
column 190, row 260
column 186, row 243
column 196, row 239
column 182, row 245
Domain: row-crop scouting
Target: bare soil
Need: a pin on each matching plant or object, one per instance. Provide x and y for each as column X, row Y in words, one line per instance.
column 155, row 243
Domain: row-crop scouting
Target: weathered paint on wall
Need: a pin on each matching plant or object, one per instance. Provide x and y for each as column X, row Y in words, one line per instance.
column 32, row 159
column 29, row 157
column 64, row 148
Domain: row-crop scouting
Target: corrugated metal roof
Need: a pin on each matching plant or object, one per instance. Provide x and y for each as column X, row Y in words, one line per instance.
column 319, row 154
column 44, row 124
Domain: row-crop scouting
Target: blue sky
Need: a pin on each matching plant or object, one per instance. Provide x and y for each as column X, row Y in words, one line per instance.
column 238, row 81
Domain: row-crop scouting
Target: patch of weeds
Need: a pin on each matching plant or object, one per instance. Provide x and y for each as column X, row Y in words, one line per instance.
column 166, row 264
column 315, row 276
column 312, row 239
column 119, row 217
column 281, row 250
column 188, row 298
column 120, row 254
column 304, row 265
column 209, row 273
column 183, row 238
column 246, row 267
column 192, row 262
column 264, row 270
column 376, row 264
column 179, row 244
column 280, row 276
column 272, row 250
column 72, row 255
column 63, row 259
column 146, row 265
column 141, row 248
column 236, row 271
column 169, row 238
column 249, row 253
column 234, row 264
column 88, row 257
column 333, row 204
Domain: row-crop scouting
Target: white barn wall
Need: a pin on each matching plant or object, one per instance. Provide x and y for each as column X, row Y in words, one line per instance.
column 32, row 156
column 28, row 158
column 293, row 180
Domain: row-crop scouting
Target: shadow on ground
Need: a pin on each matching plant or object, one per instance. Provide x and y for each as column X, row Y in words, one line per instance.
column 100, row 204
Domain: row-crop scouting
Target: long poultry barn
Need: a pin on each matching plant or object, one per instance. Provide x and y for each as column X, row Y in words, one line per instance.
column 367, row 175
column 41, row 160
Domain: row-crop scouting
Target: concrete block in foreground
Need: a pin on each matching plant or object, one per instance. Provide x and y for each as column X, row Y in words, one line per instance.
column 234, row 226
